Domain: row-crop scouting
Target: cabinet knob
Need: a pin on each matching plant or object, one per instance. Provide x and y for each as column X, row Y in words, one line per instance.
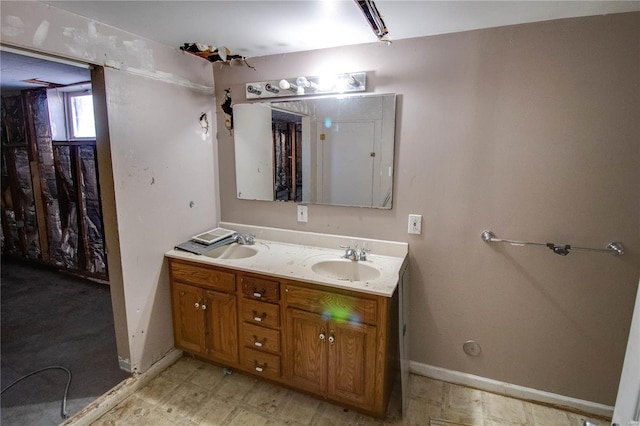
column 332, row 338
column 259, row 367
column 260, row 317
column 203, row 307
column 197, row 305
column 257, row 342
column 322, row 336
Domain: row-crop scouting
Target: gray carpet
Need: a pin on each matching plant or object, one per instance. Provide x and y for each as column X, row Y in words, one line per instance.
column 51, row 318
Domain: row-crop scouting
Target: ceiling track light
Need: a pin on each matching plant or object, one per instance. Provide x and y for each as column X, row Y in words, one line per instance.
column 373, row 17
column 305, row 85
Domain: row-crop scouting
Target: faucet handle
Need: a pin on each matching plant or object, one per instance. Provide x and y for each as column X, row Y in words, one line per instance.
column 363, row 253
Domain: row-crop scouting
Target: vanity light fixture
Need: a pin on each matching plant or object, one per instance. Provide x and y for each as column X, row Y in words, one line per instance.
column 305, row 85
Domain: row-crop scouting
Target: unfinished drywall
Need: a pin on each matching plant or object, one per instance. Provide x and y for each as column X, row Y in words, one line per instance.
column 531, row 131
column 159, row 186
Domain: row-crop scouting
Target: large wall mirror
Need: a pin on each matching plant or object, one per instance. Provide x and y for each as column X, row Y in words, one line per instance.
column 334, row 150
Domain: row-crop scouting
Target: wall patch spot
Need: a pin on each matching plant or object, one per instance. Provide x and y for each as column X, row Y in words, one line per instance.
column 41, row 33
column 13, row 26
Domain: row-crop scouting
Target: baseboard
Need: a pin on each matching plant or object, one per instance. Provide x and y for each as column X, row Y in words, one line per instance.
column 117, row 394
column 511, row 390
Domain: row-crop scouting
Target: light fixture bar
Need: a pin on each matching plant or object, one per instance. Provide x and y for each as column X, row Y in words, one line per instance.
column 305, row 85
column 371, row 14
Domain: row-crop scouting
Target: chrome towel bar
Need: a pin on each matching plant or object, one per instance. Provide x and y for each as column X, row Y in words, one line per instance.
column 614, row 247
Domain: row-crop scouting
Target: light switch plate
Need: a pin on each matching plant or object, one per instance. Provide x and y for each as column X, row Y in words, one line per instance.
column 415, row 224
column 302, row 214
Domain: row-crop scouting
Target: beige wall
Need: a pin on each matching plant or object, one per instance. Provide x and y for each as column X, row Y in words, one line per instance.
column 531, row 131
column 157, row 168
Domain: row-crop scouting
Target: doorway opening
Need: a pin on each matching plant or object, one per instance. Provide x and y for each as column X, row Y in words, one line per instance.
column 56, row 301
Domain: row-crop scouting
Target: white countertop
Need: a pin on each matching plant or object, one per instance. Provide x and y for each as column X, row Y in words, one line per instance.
column 294, row 261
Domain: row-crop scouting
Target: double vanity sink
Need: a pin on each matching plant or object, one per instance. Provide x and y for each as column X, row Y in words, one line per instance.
column 323, row 264
column 335, row 269
column 292, row 310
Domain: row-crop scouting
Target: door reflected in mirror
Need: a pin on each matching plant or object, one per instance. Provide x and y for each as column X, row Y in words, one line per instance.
column 334, row 150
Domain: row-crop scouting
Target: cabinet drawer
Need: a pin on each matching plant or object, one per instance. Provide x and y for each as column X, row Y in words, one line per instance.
column 209, row 278
column 261, row 338
column 332, row 305
column 262, row 313
column 261, row 363
column 259, row 288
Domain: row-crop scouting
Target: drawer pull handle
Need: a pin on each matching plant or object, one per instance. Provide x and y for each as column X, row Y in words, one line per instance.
column 260, row 317
column 257, row 342
column 260, row 367
column 259, row 293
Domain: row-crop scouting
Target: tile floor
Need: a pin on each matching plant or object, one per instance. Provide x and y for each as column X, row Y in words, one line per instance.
column 192, row 393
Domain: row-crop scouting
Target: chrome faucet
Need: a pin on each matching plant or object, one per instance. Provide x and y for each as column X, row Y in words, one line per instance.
column 349, row 253
column 244, row 239
column 355, row 254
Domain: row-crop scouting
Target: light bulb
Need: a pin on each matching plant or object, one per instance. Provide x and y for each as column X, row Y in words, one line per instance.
column 304, row 82
column 286, row 85
column 327, row 82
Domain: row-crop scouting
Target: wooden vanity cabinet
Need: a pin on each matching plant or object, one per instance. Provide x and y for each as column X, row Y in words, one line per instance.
column 205, row 313
column 337, row 344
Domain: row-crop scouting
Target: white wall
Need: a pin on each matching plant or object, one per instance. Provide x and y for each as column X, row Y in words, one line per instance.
column 164, row 193
column 159, row 186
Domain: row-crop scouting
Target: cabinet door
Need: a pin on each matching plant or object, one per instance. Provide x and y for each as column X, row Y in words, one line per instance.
column 188, row 319
column 307, row 350
column 352, row 358
column 221, row 326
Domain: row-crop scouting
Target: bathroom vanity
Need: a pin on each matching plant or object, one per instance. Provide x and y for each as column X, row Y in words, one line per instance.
column 291, row 310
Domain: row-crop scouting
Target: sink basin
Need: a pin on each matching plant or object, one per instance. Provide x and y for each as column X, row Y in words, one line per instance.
column 231, row 251
column 346, row 270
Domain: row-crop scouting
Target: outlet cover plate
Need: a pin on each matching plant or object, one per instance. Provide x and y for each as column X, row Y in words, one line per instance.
column 303, row 215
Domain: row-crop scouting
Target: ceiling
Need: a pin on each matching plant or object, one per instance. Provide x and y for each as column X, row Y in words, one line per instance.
column 259, row 28
column 15, row 68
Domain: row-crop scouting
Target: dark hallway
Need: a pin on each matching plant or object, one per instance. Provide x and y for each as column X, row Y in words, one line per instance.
column 54, row 319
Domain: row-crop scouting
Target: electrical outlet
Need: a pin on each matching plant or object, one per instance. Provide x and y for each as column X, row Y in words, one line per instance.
column 415, row 224
column 303, row 215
